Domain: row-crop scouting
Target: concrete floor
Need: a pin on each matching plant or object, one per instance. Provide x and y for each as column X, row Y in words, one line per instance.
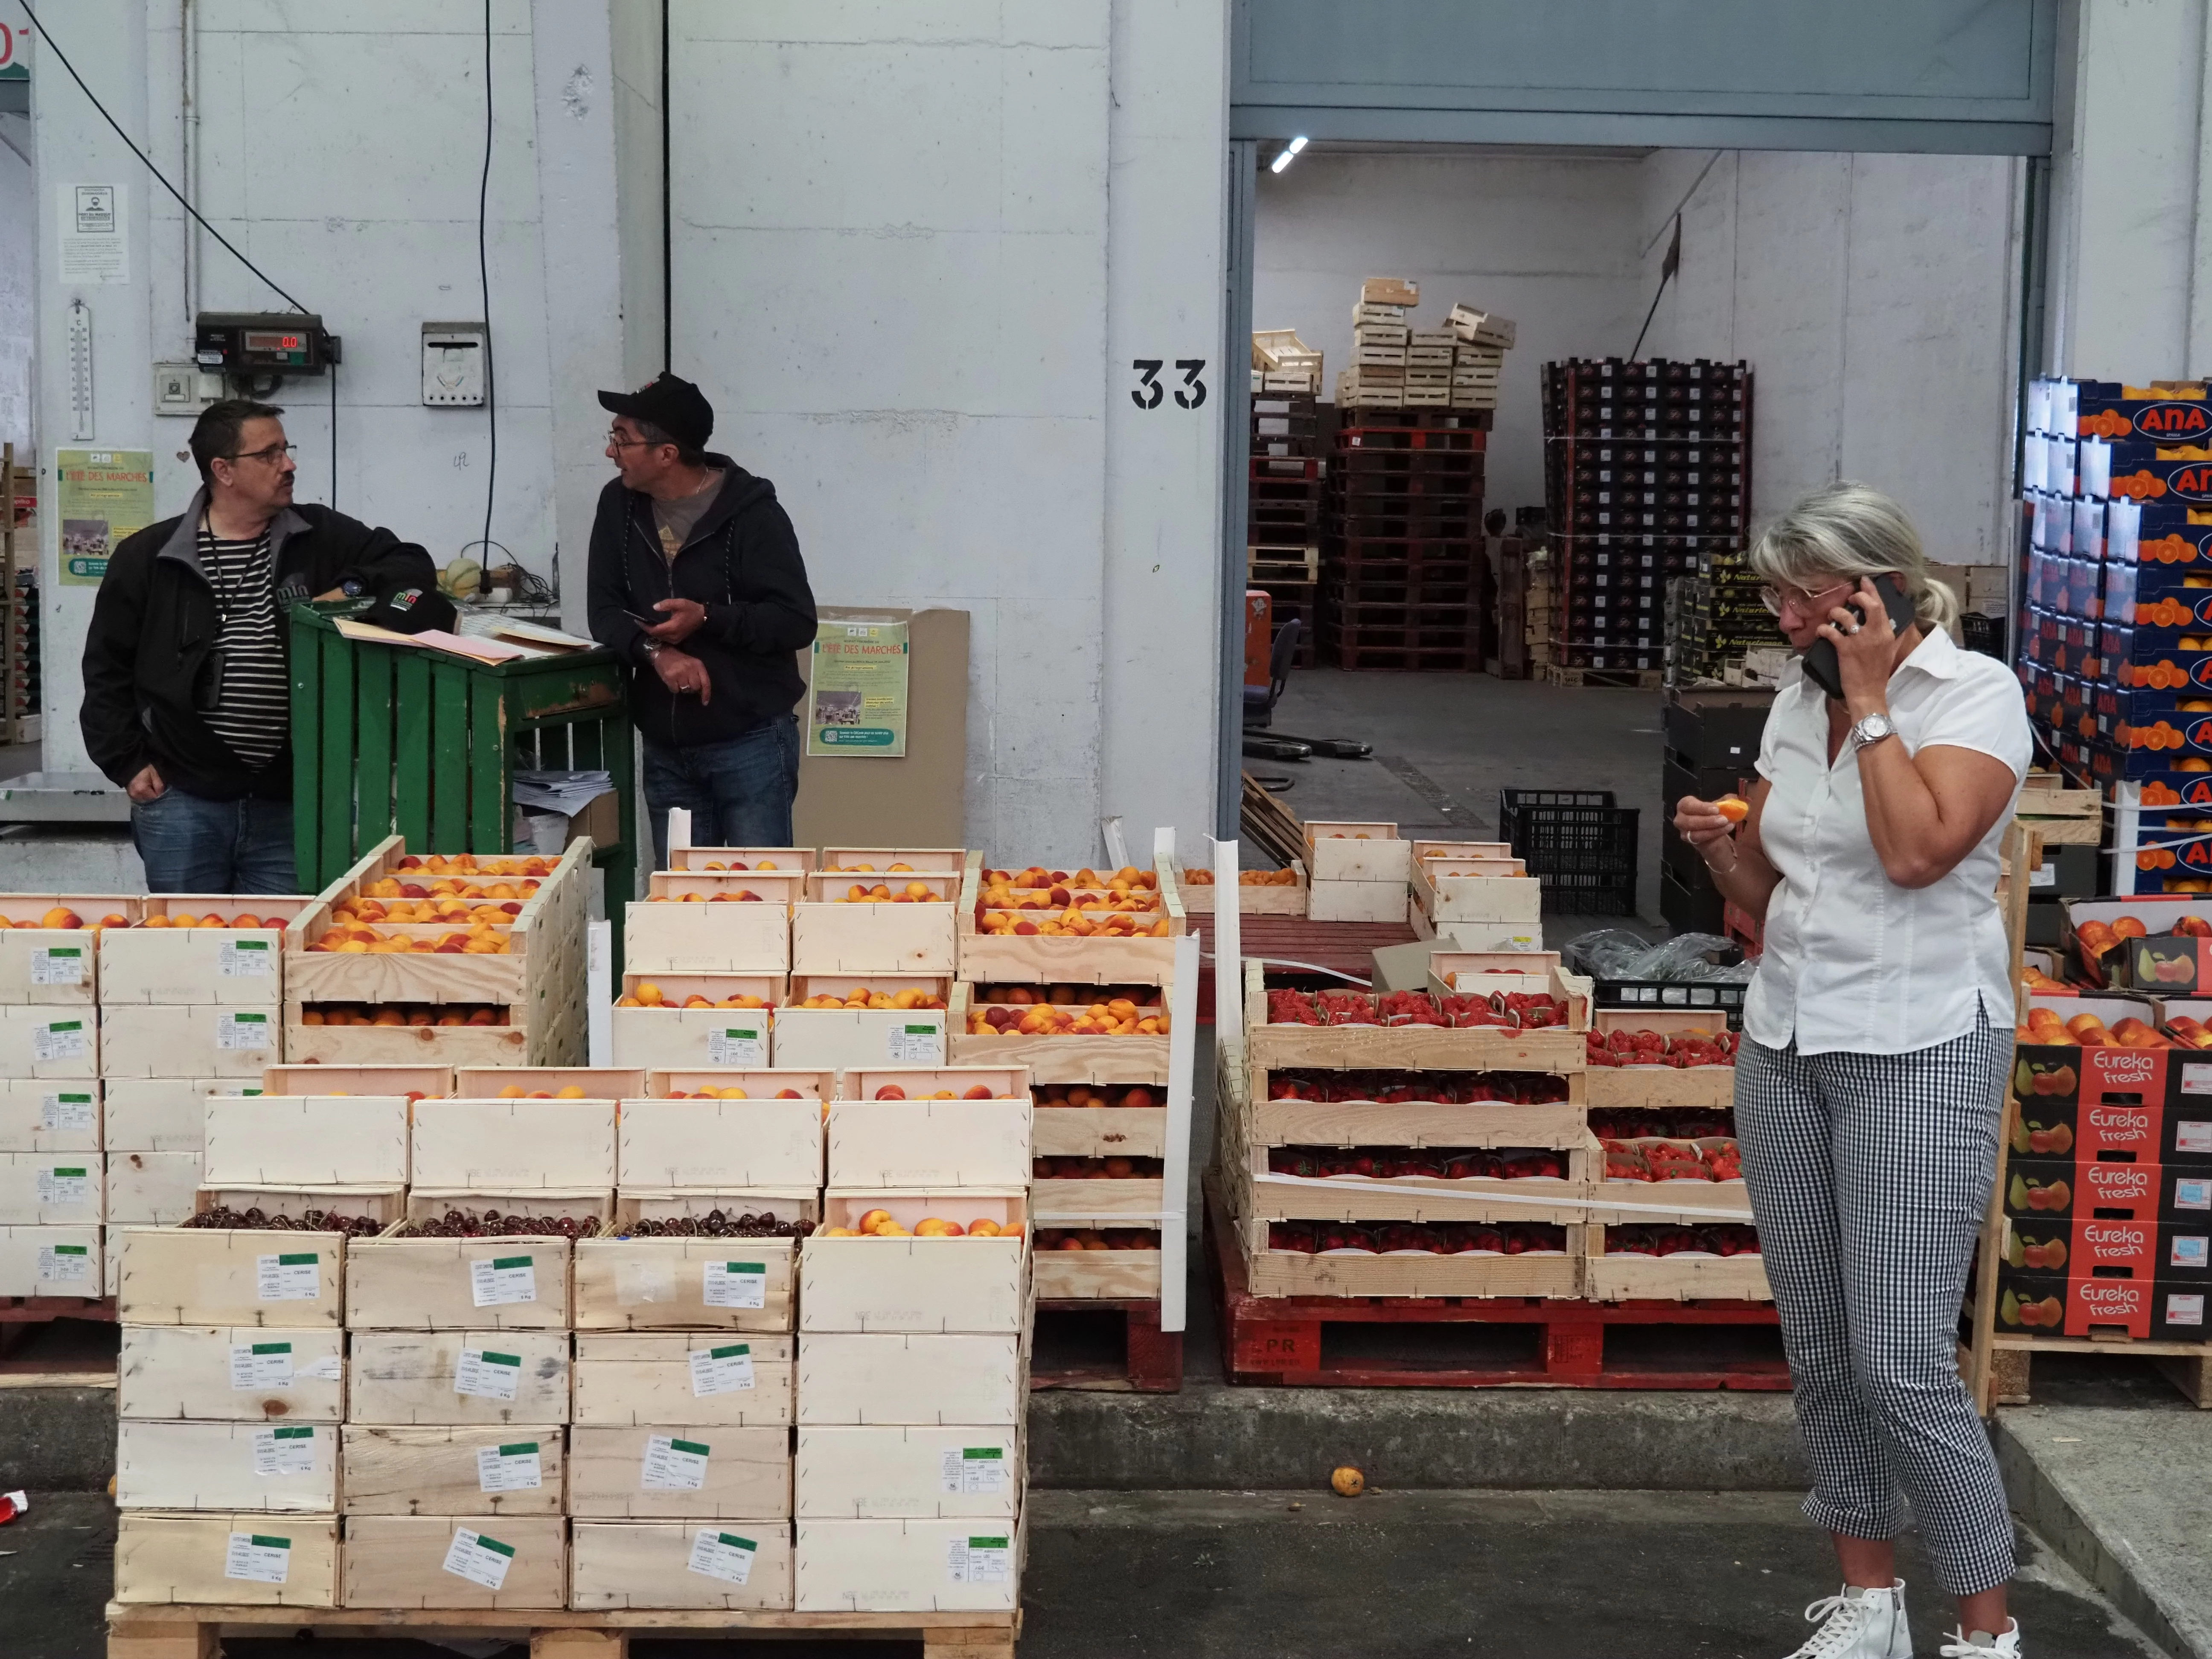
column 1446, row 744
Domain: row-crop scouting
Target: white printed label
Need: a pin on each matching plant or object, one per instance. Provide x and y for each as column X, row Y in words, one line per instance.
column 67, row 1114
column 297, row 1278
column 975, row 1470
column 261, row 1365
column 62, row 1039
column 242, row 1031
column 722, row 1555
column 62, row 964
column 284, row 1451
column 2045, row 877
column 2192, row 1195
column 721, row 1370
column 2195, row 1078
column 500, row 1280
column 65, row 1264
column 738, row 1045
column 2193, row 1136
column 509, row 1468
column 244, row 958
column 2187, row 1309
column 488, row 1375
column 479, row 1559
column 915, row 1045
column 257, row 1556
column 979, row 1560
column 736, row 1285
column 65, row 1184
column 672, row 1465
column 328, row 1369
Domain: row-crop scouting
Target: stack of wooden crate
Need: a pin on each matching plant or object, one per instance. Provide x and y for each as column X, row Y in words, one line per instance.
column 880, row 920
column 715, row 927
column 914, row 1347
column 1358, row 872
column 1481, row 340
column 1380, row 342
column 52, row 1171
column 1475, row 896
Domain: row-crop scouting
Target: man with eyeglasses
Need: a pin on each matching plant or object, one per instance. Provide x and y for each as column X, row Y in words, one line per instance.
column 187, row 690
column 696, row 582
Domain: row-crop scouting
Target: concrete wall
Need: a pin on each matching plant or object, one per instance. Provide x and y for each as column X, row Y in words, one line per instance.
column 19, row 249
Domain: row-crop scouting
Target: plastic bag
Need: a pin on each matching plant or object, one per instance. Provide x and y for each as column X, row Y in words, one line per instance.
column 1617, row 953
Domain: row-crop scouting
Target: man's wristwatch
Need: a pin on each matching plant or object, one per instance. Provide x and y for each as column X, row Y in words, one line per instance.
column 1872, row 729
column 652, row 647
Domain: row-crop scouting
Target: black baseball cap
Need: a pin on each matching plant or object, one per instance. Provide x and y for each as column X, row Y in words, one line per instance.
column 676, row 406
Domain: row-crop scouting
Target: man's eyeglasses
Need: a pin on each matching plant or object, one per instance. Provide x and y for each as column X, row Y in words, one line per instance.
column 274, row 454
column 615, row 440
column 1806, row 604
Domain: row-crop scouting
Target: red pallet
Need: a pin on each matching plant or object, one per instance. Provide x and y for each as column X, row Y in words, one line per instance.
column 1363, row 437
column 1277, row 1342
column 1151, row 1358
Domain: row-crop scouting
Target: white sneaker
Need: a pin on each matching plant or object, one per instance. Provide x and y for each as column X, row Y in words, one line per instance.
column 1865, row 1623
column 1963, row 1646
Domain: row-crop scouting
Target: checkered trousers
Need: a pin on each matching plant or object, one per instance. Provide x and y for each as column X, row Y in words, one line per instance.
column 1869, row 1175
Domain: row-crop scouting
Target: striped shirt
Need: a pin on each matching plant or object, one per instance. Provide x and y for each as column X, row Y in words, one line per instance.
column 253, row 707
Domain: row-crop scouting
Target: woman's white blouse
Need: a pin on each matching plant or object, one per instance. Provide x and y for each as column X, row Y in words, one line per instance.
column 1853, row 961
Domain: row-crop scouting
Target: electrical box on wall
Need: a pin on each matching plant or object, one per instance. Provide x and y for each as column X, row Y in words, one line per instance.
column 251, row 344
column 453, row 365
column 184, row 389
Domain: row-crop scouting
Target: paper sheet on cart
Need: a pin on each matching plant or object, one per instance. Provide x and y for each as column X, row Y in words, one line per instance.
column 435, row 639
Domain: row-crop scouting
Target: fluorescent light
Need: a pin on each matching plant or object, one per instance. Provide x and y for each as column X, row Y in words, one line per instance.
column 1289, row 150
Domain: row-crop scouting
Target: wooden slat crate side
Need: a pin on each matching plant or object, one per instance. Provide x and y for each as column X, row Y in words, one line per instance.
column 399, row 1561
column 408, row 1378
column 639, row 1563
column 194, row 1276
column 175, row 1465
column 1622, row 1277
column 415, row 1283
column 748, row 1474
column 179, row 1372
column 662, row 1283
column 1057, row 1203
column 1099, row 1132
column 180, row 1558
column 628, row 1380
column 1095, row 1275
column 392, row 1469
column 1559, row 1124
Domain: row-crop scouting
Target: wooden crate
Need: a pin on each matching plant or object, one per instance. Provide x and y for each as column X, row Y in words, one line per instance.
column 1504, row 972
column 509, row 1082
column 759, row 1082
column 52, row 1189
column 637, row 1204
column 930, row 1145
column 44, row 1041
column 383, row 1205
column 633, row 1564
column 954, row 1082
column 192, row 1559
column 1105, row 1202
column 215, row 1373
column 152, row 1114
column 514, row 1145
column 1356, row 852
column 775, row 890
column 660, row 1284
column 1099, row 1132
column 1095, row 1275
column 1251, row 900
column 411, row 1284
column 747, row 1477
column 415, row 1048
column 399, row 1561
column 1448, row 889
column 151, row 1189
column 1559, row 1050
column 540, row 982
column 1460, row 849
column 1291, row 1272
column 290, row 1467
column 725, row 1146
column 440, row 1469
column 907, row 1471
column 830, row 935
column 295, row 1140
column 410, row 1378
column 635, row 1378
column 971, row 1379
column 783, row 858
column 1267, row 1196
column 1124, row 1060
column 1689, row 1088
column 669, row 936
column 173, row 1040
column 698, row 1038
column 835, row 1039
column 1039, row 959
column 1413, row 1123
column 879, row 1566
column 50, row 1261
column 416, row 1082
column 920, row 1284
column 194, row 1276
column 1671, row 1277
column 1356, row 900
column 56, row 966
column 877, row 860
column 230, row 965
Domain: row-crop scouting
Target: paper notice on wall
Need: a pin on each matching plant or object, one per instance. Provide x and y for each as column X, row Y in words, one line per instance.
column 94, row 243
column 856, row 691
column 101, row 495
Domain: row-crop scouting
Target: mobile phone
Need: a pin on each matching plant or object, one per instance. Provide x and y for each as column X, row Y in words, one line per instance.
column 1821, row 665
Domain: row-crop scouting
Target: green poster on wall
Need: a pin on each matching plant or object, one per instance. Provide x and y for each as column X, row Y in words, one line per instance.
column 856, row 696
column 100, row 496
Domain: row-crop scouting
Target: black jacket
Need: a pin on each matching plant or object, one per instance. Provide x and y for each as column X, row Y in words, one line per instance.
column 154, row 625
column 743, row 564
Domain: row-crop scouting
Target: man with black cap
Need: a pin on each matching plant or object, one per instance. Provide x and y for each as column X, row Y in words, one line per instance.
column 187, row 688
column 696, row 580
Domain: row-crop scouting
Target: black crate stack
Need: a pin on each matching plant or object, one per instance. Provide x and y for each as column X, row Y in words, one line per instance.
column 1647, row 477
column 1283, row 516
column 1580, row 846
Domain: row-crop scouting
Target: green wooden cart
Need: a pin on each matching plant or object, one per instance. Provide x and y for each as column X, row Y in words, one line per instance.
column 401, row 738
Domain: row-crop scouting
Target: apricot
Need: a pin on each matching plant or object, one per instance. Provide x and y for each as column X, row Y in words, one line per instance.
column 569, row 1092
column 984, row 1228
column 649, row 995
column 890, row 1092
column 872, row 1220
column 1733, row 808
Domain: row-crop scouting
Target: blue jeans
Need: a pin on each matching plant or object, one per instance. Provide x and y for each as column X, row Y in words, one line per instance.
column 739, row 792
column 193, row 846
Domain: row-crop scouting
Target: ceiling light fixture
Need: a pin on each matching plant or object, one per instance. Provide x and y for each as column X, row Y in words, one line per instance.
column 1289, row 150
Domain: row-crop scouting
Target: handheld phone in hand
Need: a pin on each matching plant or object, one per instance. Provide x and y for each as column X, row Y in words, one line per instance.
column 1821, row 665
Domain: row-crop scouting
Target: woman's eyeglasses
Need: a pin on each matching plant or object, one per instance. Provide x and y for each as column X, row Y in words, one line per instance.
column 1796, row 598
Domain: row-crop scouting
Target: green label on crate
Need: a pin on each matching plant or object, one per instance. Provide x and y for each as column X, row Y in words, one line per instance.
column 495, row 1547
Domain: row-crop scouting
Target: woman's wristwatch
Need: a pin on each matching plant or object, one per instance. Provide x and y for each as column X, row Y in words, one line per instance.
column 1872, row 729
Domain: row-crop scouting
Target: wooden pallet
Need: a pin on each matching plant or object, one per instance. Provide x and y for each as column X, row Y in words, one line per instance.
column 1463, row 660
column 1625, row 679
column 1151, row 1358
column 1275, row 831
column 1282, row 563
column 2187, row 1365
column 193, row 1632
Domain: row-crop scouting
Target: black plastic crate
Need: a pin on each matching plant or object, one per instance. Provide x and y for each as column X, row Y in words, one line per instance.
column 1579, row 845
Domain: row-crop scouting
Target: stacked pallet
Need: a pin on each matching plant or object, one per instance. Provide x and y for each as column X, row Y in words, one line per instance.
column 1646, row 477
column 913, row 1347
column 1283, row 511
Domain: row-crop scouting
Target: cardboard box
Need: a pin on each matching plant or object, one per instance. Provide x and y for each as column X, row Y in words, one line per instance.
column 665, row 937
column 161, row 1114
column 2102, row 1248
column 916, row 1284
column 40, row 1115
column 932, row 1145
column 233, row 1559
column 47, row 1041
column 727, row 1146
column 52, row 1189
column 909, row 1472
column 190, row 1276
column 173, row 1040
column 736, row 1565
column 679, row 1472
column 47, row 1262
column 419, row 1560
column 907, row 1566
column 2053, row 1188
column 511, row 1377
column 724, row 1378
column 246, row 1374
column 292, row 1140
column 152, row 1189
column 416, row 1283
column 664, row 1284
column 445, row 1470
column 860, row 1380
column 234, row 966
column 247, row 1467
column 2081, row 1305
column 514, row 1145
column 1357, row 900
